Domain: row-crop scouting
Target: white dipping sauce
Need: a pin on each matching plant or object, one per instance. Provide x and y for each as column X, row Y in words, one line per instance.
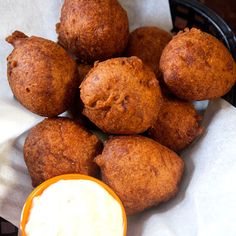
column 75, row 208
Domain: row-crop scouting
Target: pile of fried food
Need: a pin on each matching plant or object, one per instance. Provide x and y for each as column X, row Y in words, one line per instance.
column 137, row 87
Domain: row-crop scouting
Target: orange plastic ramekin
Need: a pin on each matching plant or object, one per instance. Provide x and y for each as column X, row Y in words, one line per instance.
column 38, row 191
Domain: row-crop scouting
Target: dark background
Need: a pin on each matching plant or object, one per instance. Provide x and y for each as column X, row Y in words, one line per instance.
column 226, row 9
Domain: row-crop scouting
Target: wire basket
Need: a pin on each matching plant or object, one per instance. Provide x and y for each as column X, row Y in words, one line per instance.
column 191, row 13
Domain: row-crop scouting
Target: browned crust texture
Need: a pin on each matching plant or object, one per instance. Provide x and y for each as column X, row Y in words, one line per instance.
column 59, row 146
column 141, row 171
column 177, row 124
column 147, row 43
column 41, row 75
column 93, row 29
column 121, row 96
column 197, row 66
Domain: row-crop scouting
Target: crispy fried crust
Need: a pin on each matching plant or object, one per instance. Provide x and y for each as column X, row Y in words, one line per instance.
column 177, row 124
column 41, row 75
column 60, row 146
column 121, row 96
column 141, row 171
column 196, row 66
column 147, row 43
column 93, row 29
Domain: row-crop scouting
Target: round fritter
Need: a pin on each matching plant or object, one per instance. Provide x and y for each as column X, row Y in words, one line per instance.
column 121, row 96
column 59, row 146
column 196, row 66
column 41, row 75
column 93, row 29
column 142, row 172
column 177, row 124
column 147, row 43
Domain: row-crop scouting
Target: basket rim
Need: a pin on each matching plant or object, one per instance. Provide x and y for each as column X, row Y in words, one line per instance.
column 218, row 22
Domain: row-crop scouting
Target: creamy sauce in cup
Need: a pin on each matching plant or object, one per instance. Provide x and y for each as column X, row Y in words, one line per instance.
column 75, row 208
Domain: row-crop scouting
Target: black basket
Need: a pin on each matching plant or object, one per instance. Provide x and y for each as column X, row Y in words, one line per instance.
column 6, row 229
column 191, row 13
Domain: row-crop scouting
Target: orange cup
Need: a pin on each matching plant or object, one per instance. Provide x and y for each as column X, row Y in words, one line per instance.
column 38, row 191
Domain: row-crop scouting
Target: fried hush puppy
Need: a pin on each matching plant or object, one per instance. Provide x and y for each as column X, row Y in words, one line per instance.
column 41, row 75
column 147, row 43
column 59, row 146
column 197, row 66
column 177, row 124
column 121, row 96
column 142, row 172
column 93, row 29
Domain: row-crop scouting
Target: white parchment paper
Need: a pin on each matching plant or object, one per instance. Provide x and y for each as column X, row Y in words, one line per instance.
column 206, row 203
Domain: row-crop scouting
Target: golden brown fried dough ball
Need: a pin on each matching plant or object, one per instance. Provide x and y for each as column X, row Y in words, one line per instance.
column 196, row 66
column 141, row 171
column 60, row 146
column 177, row 124
column 41, row 75
column 121, row 96
column 93, row 29
column 147, row 43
